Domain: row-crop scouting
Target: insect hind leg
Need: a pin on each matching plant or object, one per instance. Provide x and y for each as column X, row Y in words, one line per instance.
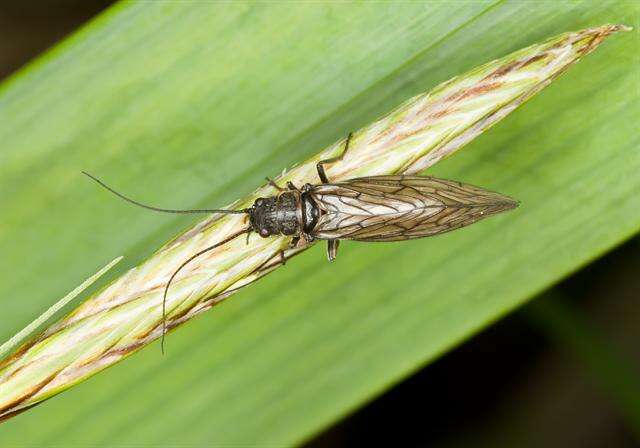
column 320, row 164
column 332, row 249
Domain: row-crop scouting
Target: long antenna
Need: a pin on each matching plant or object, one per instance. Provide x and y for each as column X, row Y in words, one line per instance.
column 158, row 209
column 186, row 262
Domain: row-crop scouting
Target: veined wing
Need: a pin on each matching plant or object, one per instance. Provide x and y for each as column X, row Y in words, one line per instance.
column 392, row 208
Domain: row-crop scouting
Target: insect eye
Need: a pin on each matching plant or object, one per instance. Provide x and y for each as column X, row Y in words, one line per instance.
column 264, row 233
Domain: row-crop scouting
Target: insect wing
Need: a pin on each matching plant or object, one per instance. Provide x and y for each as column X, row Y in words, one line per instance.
column 393, row 208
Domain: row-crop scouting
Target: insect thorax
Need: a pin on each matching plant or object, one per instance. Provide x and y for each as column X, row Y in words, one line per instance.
column 277, row 214
column 310, row 213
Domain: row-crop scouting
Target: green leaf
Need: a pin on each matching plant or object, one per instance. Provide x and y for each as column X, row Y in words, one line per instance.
column 190, row 104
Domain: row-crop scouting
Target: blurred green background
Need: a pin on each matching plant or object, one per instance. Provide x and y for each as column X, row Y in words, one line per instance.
column 560, row 371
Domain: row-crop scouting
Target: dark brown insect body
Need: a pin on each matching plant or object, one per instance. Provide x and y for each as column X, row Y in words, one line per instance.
column 378, row 208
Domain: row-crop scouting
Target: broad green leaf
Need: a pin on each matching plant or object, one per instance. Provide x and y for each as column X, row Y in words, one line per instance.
column 135, row 310
column 192, row 104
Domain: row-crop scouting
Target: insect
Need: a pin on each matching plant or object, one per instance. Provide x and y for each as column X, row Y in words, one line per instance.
column 376, row 208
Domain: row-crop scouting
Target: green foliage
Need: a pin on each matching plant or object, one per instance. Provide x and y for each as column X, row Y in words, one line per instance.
column 193, row 103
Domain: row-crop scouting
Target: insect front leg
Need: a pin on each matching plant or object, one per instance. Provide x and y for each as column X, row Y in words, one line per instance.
column 275, row 185
column 270, row 263
column 290, row 185
column 320, row 167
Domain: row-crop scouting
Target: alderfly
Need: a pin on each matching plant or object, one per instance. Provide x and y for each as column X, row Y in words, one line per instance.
column 376, row 208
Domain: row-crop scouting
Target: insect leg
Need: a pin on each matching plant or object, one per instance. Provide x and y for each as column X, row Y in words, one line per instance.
column 267, row 264
column 290, row 185
column 275, row 185
column 320, row 167
column 263, row 269
column 294, row 241
column 332, row 249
